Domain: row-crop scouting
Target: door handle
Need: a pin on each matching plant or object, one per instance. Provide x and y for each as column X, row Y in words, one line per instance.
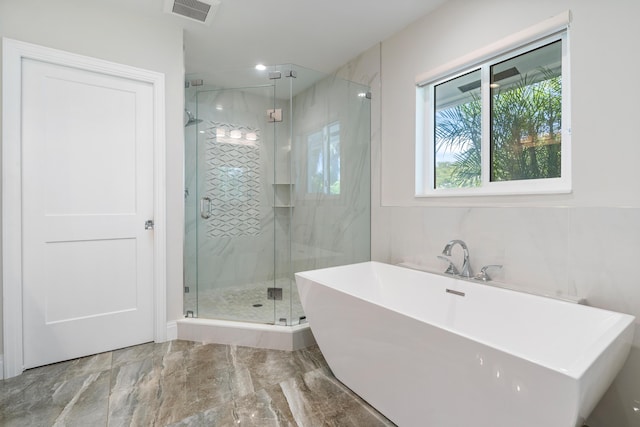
column 205, row 207
column 148, row 224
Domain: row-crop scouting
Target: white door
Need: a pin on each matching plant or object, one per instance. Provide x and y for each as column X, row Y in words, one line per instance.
column 87, row 190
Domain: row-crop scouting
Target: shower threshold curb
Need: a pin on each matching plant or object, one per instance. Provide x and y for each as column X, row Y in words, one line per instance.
column 257, row 335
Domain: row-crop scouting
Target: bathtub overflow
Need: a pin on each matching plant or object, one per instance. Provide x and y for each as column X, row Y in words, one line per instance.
column 451, row 291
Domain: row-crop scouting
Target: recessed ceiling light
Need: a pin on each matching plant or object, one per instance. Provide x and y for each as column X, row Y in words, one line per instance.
column 261, row 67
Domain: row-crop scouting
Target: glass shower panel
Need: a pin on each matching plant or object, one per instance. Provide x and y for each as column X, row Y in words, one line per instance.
column 190, row 272
column 284, row 205
column 235, row 232
column 330, row 167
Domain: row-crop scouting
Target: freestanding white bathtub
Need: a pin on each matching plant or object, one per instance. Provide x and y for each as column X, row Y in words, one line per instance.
column 433, row 351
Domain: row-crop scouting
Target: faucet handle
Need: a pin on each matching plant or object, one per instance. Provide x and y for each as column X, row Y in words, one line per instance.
column 451, row 269
column 483, row 272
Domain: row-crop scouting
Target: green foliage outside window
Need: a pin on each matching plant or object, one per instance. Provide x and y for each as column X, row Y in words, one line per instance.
column 525, row 130
column 525, row 135
column 523, row 114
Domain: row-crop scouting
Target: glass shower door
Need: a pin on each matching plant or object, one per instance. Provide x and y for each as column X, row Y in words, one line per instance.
column 234, row 202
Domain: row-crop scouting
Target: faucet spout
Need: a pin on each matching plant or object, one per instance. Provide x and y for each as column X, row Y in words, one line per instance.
column 466, row 265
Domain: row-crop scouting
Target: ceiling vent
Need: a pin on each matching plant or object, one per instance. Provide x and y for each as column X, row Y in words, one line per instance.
column 195, row 10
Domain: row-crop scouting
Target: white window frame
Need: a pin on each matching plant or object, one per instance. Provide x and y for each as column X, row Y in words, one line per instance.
column 528, row 40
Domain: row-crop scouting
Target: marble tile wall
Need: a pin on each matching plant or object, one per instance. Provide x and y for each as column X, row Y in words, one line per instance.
column 333, row 229
column 232, row 182
column 587, row 249
column 182, row 383
column 589, row 252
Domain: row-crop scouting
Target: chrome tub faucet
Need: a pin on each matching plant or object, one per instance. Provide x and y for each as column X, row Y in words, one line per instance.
column 451, row 268
column 466, row 266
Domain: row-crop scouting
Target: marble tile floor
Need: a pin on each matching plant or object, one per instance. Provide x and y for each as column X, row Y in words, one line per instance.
column 247, row 303
column 183, row 383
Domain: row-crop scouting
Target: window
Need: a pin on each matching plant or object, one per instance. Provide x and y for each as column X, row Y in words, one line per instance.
column 323, row 160
column 500, row 127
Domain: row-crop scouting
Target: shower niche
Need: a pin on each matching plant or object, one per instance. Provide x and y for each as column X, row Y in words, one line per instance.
column 277, row 180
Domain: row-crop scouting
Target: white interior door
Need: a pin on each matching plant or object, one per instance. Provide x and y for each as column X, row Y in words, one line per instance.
column 87, row 190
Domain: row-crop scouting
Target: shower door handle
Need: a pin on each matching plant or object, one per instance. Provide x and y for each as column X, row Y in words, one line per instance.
column 205, row 207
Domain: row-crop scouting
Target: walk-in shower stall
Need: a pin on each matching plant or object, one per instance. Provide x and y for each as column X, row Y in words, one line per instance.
column 277, row 180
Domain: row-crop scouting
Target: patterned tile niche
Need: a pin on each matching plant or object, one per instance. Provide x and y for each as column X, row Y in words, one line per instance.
column 232, row 180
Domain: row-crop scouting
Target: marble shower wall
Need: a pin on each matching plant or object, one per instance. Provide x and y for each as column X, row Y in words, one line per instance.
column 332, row 229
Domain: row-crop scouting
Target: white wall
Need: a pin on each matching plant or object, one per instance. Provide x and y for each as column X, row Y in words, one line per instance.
column 601, row 39
column 87, row 27
column 586, row 243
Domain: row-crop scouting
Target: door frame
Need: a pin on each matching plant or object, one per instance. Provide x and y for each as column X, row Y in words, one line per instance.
column 13, row 53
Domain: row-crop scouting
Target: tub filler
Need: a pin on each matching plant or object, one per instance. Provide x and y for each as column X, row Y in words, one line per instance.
column 434, row 351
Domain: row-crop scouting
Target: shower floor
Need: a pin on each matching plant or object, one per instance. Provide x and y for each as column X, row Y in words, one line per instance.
column 248, row 303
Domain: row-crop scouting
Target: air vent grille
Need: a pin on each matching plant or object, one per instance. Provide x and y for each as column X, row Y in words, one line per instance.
column 201, row 11
column 192, row 9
